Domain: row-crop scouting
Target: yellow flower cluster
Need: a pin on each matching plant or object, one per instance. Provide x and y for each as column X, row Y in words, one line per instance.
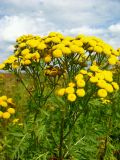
column 30, row 49
column 102, row 79
column 6, row 107
column 74, row 89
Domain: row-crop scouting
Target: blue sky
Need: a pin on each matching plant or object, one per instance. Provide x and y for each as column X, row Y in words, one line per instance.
column 71, row 17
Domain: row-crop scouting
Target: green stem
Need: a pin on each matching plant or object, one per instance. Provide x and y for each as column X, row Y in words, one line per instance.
column 61, row 137
column 26, row 88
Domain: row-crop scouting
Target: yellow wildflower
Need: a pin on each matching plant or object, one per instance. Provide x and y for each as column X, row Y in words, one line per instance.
column 3, row 104
column 101, row 83
column 80, row 92
column 107, row 51
column 6, row 115
column 94, row 68
column 109, row 88
column 93, row 79
column 61, row 92
column 48, row 40
column 102, row 93
column 66, row 50
column 115, row 85
column 71, row 84
column 57, row 53
column 69, row 90
column 82, row 71
column 21, row 45
column 71, row 97
column 81, row 83
column 11, row 110
column 41, row 46
column 98, row 49
column 74, row 48
column 27, row 62
column 92, row 43
column 25, row 51
column 78, row 43
column 112, row 60
column 3, row 98
column 47, row 58
column 56, row 40
column 10, row 101
column 2, row 66
column 78, row 77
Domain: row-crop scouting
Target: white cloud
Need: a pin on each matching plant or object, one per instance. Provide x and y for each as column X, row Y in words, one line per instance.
column 14, row 26
column 85, row 30
column 115, row 28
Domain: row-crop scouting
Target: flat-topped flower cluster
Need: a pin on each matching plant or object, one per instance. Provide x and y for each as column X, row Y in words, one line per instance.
column 84, row 60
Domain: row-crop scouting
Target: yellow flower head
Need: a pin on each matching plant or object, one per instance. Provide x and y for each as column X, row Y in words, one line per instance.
column 108, row 76
column 82, row 71
column 3, row 104
column 10, row 101
column 3, row 98
column 11, row 110
column 115, row 85
column 27, row 62
column 98, row 49
column 101, row 83
column 78, row 43
column 71, row 84
column 25, row 52
column 48, row 40
column 41, row 46
column 78, row 77
column 32, row 43
column 61, row 92
column 80, row 92
column 81, row 83
column 94, row 68
column 22, row 45
column 93, row 79
column 57, row 53
column 71, row 97
column 102, row 93
column 66, row 50
column 28, row 56
column 52, row 34
column 6, row 115
column 47, row 59
column 2, row 66
column 100, row 75
column 106, row 51
column 92, row 43
column 75, row 48
column 109, row 88
column 112, row 60
column 36, row 56
column 66, row 42
column 56, row 40
column 69, row 90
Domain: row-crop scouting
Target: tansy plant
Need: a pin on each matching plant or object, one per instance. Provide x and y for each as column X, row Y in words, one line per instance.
column 73, row 70
column 6, row 107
